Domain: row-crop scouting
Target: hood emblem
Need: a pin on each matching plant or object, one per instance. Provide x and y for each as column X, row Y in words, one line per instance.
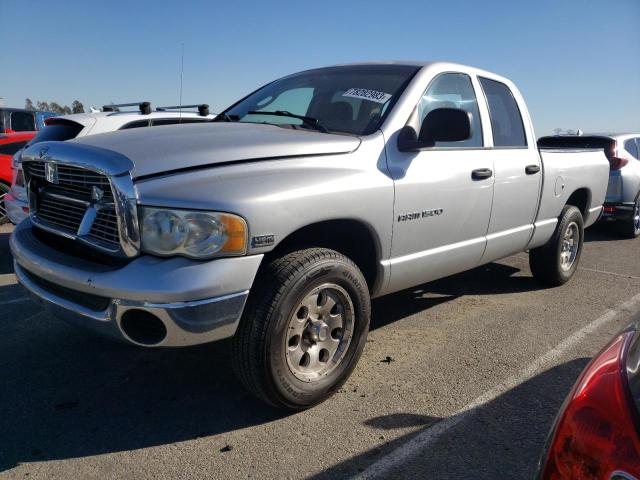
column 96, row 193
column 43, row 152
column 51, row 172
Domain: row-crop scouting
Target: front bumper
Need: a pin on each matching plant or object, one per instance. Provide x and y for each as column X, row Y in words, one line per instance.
column 195, row 302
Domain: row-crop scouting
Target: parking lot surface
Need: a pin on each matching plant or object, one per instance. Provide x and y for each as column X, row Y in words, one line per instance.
column 461, row 378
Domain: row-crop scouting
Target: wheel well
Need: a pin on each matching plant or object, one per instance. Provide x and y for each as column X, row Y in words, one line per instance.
column 581, row 199
column 349, row 237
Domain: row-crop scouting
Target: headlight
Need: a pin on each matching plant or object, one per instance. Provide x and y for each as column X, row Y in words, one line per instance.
column 194, row 234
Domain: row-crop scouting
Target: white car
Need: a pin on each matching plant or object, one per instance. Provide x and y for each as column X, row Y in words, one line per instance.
column 110, row 119
column 622, row 204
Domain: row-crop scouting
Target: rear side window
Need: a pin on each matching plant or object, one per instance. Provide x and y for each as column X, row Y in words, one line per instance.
column 58, row 132
column 631, row 147
column 11, row 148
column 136, row 124
column 453, row 90
column 22, row 122
column 506, row 119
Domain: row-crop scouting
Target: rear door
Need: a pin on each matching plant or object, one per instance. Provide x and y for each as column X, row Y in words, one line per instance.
column 518, row 173
column 441, row 210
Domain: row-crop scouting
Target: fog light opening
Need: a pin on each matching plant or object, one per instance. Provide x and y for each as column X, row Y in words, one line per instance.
column 143, row 327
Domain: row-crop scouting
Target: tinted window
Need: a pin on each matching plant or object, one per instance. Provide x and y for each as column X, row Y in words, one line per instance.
column 11, row 148
column 351, row 99
column 136, row 124
column 58, row 132
column 453, row 90
column 631, row 147
column 22, row 122
column 506, row 120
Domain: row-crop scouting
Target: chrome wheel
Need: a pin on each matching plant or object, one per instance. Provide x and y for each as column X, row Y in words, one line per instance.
column 636, row 217
column 319, row 332
column 570, row 246
column 4, row 189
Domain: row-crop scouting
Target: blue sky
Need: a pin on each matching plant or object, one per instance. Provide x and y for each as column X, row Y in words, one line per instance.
column 577, row 62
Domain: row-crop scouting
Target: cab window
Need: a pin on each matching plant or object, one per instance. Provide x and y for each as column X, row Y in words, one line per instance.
column 453, row 90
column 506, row 120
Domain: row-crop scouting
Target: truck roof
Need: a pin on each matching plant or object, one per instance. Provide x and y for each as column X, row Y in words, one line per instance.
column 437, row 64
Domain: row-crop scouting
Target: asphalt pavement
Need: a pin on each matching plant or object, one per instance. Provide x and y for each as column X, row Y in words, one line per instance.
column 476, row 368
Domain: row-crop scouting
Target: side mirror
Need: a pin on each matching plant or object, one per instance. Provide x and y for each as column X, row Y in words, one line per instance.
column 440, row 125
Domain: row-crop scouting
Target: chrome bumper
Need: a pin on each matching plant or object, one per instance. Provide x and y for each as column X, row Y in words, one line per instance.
column 189, row 302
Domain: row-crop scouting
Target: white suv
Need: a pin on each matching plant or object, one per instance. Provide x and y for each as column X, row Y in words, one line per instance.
column 77, row 125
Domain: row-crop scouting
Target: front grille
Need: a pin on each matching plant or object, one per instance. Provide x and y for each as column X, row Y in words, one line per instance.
column 105, row 227
column 64, row 214
column 69, row 204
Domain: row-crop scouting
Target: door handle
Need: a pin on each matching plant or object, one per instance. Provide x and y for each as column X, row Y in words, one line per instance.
column 531, row 169
column 481, row 173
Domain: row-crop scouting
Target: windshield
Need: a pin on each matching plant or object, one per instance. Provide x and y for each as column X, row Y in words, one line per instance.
column 350, row 99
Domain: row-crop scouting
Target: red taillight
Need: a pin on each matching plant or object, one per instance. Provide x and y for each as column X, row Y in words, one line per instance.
column 609, row 209
column 596, row 434
column 615, row 162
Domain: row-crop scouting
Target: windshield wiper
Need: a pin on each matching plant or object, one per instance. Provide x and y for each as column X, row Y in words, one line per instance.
column 309, row 121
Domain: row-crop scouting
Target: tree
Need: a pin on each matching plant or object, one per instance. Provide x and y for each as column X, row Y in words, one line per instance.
column 28, row 104
column 56, row 107
column 43, row 106
column 77, row 107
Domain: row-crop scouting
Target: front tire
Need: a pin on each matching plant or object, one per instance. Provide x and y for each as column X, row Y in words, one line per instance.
column 303, row 329
column 556, row 262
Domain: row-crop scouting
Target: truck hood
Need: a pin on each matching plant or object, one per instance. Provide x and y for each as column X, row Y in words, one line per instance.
column 163, row 149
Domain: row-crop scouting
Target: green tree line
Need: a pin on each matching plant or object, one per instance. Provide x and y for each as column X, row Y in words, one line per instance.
column 76, row 107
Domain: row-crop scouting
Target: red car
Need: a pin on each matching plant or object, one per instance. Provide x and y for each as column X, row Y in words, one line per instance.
column 10, row 143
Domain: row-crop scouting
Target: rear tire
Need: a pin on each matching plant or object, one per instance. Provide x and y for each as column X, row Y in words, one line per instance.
column 555, row 262
column 303, row 329
column 630, row 228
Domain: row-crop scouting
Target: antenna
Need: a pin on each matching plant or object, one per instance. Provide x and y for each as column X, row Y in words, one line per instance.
column 181, row 72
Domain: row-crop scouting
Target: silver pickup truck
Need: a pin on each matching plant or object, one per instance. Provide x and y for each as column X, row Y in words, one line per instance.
column 276, row 223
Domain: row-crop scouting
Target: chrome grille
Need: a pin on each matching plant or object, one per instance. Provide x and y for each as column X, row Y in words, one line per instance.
column 70, row 205
column 105, row 227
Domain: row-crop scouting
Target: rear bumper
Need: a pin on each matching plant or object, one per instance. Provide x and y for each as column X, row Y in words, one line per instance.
column 617, row 211
column 190, row 302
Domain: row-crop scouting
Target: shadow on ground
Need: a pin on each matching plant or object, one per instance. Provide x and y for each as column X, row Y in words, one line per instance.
column 493, row 441
column 64, row 394
column 603, row 232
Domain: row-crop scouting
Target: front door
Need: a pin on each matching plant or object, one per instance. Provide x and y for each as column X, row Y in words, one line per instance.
column 442, row 208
